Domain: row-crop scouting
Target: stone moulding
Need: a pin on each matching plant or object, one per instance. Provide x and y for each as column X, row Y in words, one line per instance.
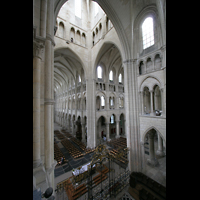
column 49, row 101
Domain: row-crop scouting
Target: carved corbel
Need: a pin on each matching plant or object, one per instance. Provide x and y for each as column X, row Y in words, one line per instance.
column 38, row 49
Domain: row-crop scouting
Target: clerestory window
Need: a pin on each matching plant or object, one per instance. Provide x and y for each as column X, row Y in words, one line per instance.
column 96, row 9
column 79, row 78
column 147, row 32
column 99, row 72
column 111, row 75
column 112, row 119
column 102, row 101
column 120, row 78
column 78, row 8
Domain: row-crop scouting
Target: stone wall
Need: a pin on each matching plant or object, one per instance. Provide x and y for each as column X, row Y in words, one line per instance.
column 149, row 122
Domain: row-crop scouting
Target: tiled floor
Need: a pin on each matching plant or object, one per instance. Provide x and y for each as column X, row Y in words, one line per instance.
column 72, row 163
column 158, row 173
column 57, row 126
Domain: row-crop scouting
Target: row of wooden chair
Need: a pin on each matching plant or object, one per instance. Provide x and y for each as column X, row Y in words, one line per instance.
column 59, row 135
column 82, row 145
column 71, row 148
column 104, row 171
column 58, row 154
column 79, row 191
column 116, row 151
column 118, row 142
column 122, row 159
column 69, row 189
column 88, row 150
column 69, row 145
column 99, row 178
column 74, row 193
column 79, row 143
column 67, row 134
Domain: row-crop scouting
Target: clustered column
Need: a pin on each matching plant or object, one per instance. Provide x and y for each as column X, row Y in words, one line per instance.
column 151, row 96
column 49, row 95
column 162, row 101
column 48, row 104
column 142, row 103
column 72, row 122
column 38, row 50
column 160, row 146
column 117, row 135
column 83, row 132
column 108, row 131
column 43, row 96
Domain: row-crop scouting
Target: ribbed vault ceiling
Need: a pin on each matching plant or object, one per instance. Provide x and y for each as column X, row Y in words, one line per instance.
column 110, row 56
column 66, row 66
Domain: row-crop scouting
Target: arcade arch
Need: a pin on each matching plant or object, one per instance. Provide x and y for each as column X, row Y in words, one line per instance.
column 153, row 144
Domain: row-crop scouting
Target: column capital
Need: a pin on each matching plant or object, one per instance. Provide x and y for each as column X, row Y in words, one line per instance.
column 127, row 61
column 130, row 61
column 151, row 91
column 51, row 38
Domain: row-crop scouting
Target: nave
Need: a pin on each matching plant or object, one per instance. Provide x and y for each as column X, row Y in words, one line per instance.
column 63, row 173
column 158, row 173
column 75, row 158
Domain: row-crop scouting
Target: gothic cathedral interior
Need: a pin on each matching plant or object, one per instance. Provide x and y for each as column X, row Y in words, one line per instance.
column 99, row 98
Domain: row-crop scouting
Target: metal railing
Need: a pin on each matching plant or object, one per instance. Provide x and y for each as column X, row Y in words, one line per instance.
column 90, row 188
column 104, row 190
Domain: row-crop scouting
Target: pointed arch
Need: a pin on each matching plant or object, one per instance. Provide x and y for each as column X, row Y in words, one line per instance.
column 150, row 86
column 103, row 50
column 61, row 29
column 148, row 129
column 102, row 115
